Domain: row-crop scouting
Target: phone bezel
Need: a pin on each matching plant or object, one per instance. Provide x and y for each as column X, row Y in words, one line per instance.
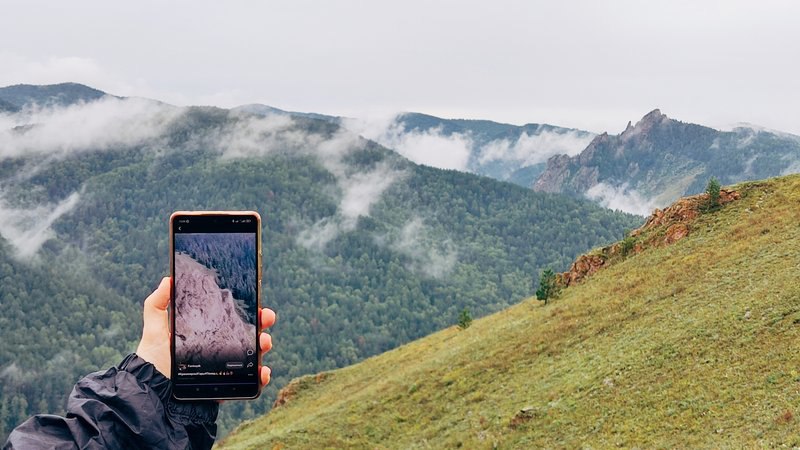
column 214, row 391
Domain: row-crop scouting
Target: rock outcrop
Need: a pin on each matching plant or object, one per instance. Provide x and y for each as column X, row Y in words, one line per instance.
column 290, row 391
column 663, row 227
column 207, row 325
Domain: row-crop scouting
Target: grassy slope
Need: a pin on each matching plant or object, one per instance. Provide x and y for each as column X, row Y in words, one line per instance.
column 692, row 345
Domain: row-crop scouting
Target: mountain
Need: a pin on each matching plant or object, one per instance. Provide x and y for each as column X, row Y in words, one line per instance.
column 7, row 107
column 63, row 94
column 686, row 342
column 660, row 159
column 502, row 151
column 265, row 110
column 363, row 249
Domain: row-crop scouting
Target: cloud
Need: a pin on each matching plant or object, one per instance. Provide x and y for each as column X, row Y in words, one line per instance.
column 112, row 122
column 434, row 259
column 530, row 149
column 621, row 198
column 361, row 190
column 28, row 228
column 356, row 191
column 792, row 168
column 430, row 147
column 105, row 123
column 454, row 151
column 252, row 136
column 12, row 374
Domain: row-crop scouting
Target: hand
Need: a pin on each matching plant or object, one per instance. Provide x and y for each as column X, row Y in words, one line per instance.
column 155, row 346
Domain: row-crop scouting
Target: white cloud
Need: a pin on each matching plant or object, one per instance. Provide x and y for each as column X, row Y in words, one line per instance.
column 435, row 259
column 359, row 191
column 257, row 136
column 531, row 149
column 430, row 147
column 108, row 122
column 621, row 198
column 12, row 374
column 794, row 166
column 356, row 190
column 28, row 228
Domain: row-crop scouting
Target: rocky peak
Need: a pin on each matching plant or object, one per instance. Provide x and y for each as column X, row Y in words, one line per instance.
column 628, row 128
column 643, row 126
column 653, row 116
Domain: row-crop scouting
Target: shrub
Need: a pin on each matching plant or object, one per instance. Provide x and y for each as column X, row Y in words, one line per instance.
column 464, row 319
column 627, row 245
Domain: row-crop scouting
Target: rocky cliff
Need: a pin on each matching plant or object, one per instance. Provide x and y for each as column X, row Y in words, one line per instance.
column 658, row 160
column 207, row 322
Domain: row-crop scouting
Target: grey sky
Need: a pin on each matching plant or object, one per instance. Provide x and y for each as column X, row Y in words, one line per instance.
column 587, row 64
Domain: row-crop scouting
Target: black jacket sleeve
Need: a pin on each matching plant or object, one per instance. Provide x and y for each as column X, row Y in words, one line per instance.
column 125, row 407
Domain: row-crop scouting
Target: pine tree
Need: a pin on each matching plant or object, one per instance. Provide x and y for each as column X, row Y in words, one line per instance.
column 547, row 286
column 464, row 319
column 713, row 191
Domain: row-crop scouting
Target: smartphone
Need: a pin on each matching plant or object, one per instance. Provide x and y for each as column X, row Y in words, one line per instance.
column 215, row 264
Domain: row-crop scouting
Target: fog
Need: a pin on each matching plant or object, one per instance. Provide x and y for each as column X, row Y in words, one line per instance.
column 428, row 256
column 530, row 149
column 26, row 229
column 105, row 123
column 621, row 198
column 428, row 147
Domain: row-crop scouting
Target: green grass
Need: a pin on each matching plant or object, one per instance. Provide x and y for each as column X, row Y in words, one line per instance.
column 692, row 345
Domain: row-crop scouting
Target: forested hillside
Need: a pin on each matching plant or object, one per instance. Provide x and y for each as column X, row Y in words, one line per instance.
column 514, row 153
column 232, row 257
column 363, row 250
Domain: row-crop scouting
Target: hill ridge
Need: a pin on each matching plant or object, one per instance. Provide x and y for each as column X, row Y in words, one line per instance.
column 686, row 345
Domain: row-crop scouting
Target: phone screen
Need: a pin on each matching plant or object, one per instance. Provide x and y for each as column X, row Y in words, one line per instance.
column 215, row 305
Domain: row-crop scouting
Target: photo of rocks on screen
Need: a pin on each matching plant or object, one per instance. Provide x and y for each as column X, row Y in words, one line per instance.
column 215, row 297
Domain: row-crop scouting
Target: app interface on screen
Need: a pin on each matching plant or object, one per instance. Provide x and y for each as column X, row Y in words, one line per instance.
column 215, row 306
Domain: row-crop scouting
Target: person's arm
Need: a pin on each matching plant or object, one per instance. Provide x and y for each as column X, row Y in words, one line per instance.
column 128, row 406
column 131, row 405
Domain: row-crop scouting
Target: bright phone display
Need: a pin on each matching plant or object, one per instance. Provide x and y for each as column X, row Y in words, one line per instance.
column 216, row 274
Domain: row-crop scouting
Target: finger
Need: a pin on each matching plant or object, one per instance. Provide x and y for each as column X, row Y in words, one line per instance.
column 155, row 306
column 266, row 374
column 265, row 342
column 267, row 318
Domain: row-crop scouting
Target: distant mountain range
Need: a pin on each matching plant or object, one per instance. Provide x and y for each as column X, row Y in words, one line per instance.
column 21, row 95
column 499, row 150
column 648, row 165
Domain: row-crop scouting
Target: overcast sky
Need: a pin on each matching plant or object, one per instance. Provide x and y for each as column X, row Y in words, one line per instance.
column 587, row 64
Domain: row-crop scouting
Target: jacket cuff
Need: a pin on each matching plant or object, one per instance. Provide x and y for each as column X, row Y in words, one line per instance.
column 185, row 412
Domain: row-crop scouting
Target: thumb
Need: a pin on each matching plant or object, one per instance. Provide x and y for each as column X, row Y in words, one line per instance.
column 155, row 306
